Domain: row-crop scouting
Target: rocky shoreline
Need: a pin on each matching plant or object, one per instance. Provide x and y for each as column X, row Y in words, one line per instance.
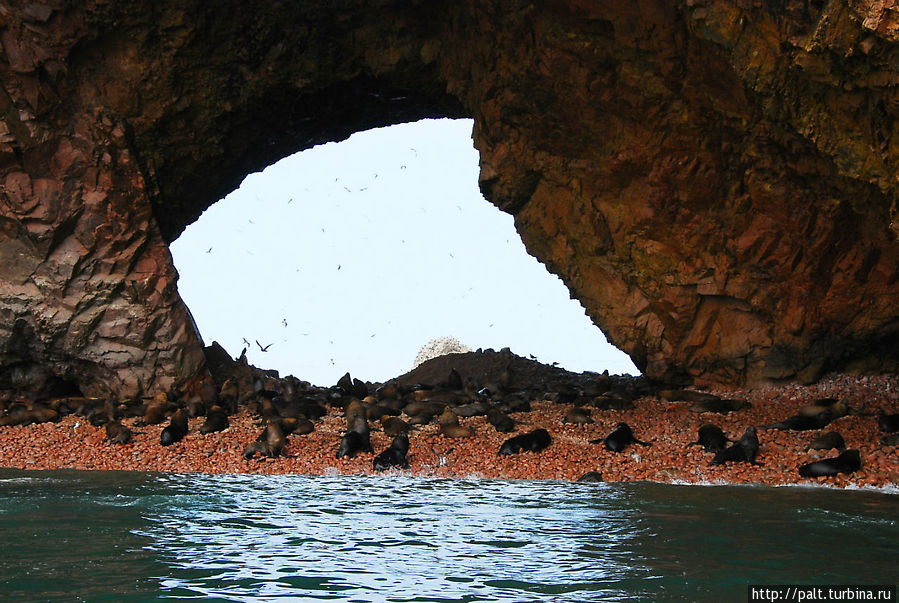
column 536, row 396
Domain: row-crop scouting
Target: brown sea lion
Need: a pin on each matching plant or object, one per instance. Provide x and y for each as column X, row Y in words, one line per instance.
column 156, row 409
column 271, row 442
column 578, row 416
column 393, row 426
column 117, row 433
column 500, row 420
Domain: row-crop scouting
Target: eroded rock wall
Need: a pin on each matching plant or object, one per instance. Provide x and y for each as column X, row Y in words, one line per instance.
column 715, row 180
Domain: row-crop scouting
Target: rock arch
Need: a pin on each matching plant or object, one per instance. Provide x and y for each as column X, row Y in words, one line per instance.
column 715, row 180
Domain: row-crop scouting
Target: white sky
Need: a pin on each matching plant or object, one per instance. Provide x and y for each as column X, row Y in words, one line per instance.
column 351, row 256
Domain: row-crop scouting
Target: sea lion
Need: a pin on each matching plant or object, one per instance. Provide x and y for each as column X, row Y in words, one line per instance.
column 848, row 462
column 711, row 437
column 745, row 450
column 686, row 395
column 393, row 426
column 455, row 431
column 229, row 394
column 216, row 420
column 890, row 440
column 156, row 409
column 388, row 391
column 176, row 429
column 357, row 437
column 826, row 441
column 345, row 385
column 352, row 443
column 270, row 442
column 448, row 417
column 354, row 410
column 299, row 425
column 720, row 406
column 611, row 401
column 117, row 433
column 591, row 477
column 533, row 441
column 888, row 423
column 500, row 420
column 474, row 409
column 619, row 439
column 813, row 416
column 394, row 456
column 578, row 415
column 453, row 381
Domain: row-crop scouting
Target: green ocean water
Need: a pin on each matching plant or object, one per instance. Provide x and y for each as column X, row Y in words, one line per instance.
column 117, row 536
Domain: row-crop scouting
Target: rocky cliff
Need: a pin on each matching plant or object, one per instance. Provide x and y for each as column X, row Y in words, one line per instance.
column 715, row 180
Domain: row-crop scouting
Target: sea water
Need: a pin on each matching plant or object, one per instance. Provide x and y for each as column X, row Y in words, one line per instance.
column 119, row 536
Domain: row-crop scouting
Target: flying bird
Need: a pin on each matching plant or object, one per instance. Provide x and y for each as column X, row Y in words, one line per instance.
column 264, row 349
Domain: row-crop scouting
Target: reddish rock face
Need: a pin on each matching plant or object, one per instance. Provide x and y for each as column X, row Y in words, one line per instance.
column 714, row 180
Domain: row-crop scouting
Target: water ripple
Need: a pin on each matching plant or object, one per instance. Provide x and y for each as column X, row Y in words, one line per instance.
column 397, row 539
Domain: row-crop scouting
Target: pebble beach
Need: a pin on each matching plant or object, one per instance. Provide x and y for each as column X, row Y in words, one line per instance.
column 669, row 425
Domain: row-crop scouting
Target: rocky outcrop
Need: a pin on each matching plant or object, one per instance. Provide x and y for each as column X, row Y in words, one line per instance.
column 715, row 180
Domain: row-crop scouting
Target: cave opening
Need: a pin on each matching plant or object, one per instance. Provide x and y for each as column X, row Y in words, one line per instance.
column 351, row 256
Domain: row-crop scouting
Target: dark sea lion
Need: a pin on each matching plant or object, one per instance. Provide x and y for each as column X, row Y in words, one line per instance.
column 345, row 385
column 848, row 462
column 711, row 437
column 620, row 438
column 357, row 437
column 500, row 420
column 826, row 441
column 814, row 416
column 360, row 388
column 890, row 440
column 591, row 477
column 888, row 423
column 745, row 450
column 117, row 433
column 393, row 426
column 394, row 456
column 578, row 415
column 353, row 443
column 216, row 420
column 611, row 402
column 176, row 429
column 453, row 381
column 229, row 394
column 686, row 395
column 533, row 441
column 474, row 409
column 195, row 407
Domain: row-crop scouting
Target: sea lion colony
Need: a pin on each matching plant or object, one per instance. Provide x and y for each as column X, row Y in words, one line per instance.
column 563, row 427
